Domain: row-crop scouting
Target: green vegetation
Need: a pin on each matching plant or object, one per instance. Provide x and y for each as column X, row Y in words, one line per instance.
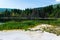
column 27, row 24
column 51, row 11
column 18, row 25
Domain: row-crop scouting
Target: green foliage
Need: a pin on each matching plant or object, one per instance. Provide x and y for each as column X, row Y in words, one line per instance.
column 44, row 12
column 27, row 24
column 18, row 25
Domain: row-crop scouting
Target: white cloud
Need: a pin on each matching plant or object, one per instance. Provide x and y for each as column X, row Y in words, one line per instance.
column 57, row 0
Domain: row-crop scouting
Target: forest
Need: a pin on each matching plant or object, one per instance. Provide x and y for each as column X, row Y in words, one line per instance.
column 47, row 12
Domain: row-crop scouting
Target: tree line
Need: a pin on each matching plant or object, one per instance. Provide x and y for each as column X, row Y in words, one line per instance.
column 30, row 13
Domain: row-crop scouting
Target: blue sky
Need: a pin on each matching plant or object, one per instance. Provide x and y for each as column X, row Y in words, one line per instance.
column 22, row 4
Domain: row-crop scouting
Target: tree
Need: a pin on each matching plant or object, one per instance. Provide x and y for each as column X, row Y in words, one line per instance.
column 7, row 13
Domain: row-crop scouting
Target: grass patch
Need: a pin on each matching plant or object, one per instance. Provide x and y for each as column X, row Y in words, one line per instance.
column 18, row 25
column 27, row 24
